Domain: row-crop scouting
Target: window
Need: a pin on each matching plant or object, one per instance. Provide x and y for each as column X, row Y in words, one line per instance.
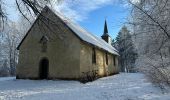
column 44, row 47
column 106, row 58
column 114, row 60
column 93, row 56
column 43, row 42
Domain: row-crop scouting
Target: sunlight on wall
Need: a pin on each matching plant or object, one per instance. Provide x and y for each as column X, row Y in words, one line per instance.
column 101, row 71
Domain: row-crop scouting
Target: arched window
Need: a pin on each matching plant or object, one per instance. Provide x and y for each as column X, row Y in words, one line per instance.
column 106, row 58
column 43, row 42
column 44, row 47
column 93, row 56
column 114, row 60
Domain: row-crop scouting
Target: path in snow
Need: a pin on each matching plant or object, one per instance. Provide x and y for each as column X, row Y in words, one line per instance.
column 124, row 86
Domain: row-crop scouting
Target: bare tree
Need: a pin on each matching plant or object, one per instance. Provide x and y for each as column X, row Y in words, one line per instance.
column 151, row 25
column 3, row 16
column 12, row 34
column 26, row 8
column 8, row 52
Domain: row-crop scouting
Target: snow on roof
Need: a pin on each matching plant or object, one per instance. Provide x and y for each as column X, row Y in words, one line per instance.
column 90, row 38
column 87, row 36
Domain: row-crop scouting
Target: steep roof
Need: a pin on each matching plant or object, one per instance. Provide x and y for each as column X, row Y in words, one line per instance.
column 84, row 35
column 90, row 38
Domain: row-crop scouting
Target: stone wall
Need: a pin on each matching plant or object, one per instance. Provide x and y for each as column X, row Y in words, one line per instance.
column 63, row 50
column 86, row 64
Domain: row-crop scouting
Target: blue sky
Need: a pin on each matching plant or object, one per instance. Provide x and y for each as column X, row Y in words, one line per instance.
column 115, row 15
column 90, row 14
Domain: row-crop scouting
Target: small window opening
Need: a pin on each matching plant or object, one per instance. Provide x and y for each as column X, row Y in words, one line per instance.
column 93, row 56
column 106, row 58
column 44, row 47
column 114, row 60
column 43, row 42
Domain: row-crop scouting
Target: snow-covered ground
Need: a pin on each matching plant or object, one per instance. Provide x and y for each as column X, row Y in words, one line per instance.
column 123, row 86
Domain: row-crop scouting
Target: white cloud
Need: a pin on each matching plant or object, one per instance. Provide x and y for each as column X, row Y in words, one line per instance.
column 135, row 1
column 79, row 10
column 126, row 4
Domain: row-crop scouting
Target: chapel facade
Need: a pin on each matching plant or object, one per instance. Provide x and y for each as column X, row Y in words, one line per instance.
column 57, row 48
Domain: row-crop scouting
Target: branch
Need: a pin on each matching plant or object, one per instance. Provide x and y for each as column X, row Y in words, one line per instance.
column 161, row 27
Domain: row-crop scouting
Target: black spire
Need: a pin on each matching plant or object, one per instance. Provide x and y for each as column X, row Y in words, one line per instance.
column 105, row 33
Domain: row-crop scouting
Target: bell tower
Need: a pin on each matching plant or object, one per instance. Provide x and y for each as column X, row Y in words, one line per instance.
column 105, row 35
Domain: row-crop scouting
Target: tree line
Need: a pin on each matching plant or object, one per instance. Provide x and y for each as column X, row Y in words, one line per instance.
column 147, row 47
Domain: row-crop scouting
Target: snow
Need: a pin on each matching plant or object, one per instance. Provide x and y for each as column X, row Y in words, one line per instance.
column 6, row 78
column 123, row 86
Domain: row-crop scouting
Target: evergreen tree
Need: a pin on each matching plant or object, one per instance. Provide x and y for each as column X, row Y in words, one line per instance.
column 124, row 45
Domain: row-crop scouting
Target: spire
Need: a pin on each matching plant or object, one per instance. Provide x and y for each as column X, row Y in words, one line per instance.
column 105, row 33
